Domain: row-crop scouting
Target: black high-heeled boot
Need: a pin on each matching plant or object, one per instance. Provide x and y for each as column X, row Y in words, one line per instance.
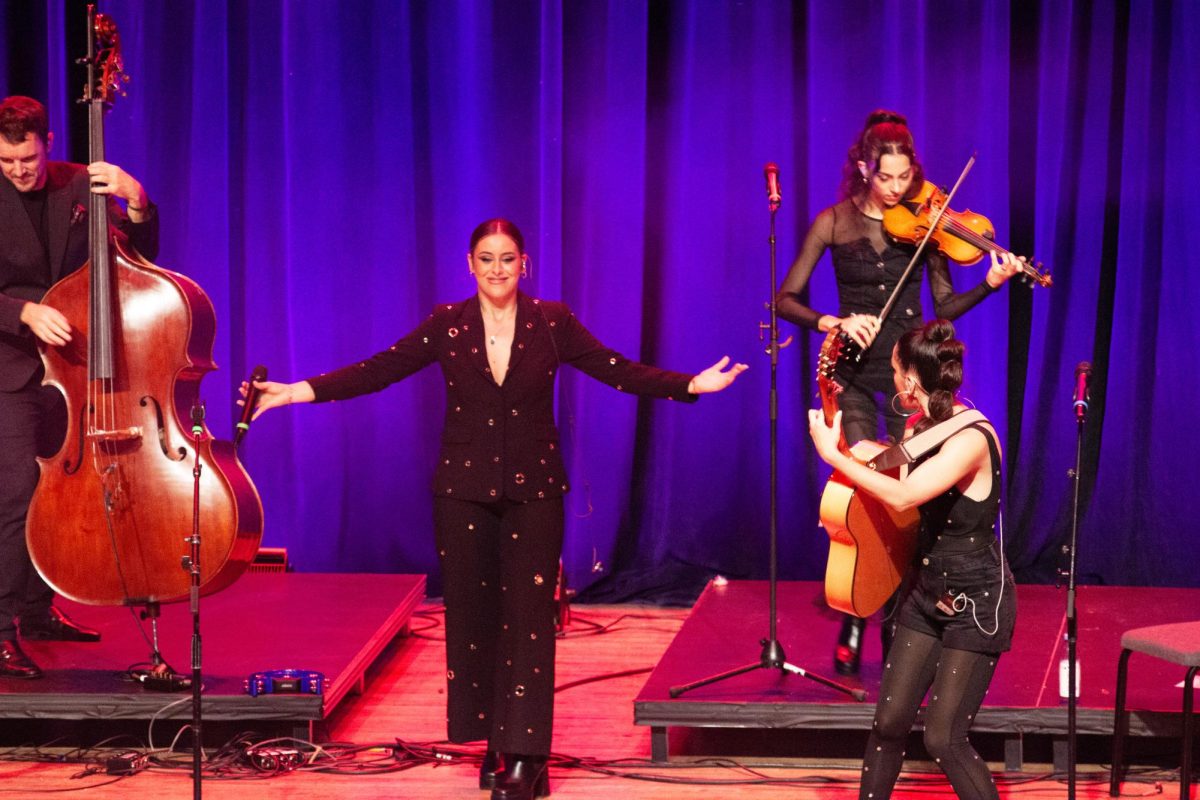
column 848, row 654
column 489, row 768
column 524, row 778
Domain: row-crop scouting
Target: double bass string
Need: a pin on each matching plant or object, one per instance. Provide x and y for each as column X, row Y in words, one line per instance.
column 105, row 428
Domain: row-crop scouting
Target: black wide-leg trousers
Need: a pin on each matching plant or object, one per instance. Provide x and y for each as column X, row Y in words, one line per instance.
column 499, row 566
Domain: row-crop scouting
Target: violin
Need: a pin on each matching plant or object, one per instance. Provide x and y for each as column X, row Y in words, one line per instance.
column 962, row 236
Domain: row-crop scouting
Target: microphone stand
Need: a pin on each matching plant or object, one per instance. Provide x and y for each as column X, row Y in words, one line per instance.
column 191, row 563
column 772, row 656
column 1072, row 621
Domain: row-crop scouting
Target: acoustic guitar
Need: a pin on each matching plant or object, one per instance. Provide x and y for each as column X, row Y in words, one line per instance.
column 870, row 544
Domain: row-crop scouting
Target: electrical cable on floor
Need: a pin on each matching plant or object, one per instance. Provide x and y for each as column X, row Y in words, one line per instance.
column 250, row 756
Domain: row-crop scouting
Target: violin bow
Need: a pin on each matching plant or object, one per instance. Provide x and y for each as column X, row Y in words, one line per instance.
column 887, row 309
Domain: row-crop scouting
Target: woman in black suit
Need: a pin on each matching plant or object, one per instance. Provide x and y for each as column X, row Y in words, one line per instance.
column 498, row 489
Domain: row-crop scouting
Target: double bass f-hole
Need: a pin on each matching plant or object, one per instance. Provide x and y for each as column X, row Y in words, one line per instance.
column 180, row 453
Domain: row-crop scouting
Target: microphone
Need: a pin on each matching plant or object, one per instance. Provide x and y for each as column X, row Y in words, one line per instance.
column 1083, row 373
column 771, row 171
column 259, row 374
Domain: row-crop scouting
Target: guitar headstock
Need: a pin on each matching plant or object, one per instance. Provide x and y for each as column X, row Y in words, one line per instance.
column 833, row 349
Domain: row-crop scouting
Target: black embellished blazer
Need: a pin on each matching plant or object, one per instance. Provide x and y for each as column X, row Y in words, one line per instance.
column 500, row 440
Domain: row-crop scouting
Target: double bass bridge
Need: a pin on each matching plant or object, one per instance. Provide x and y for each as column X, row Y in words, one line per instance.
column 114, row 436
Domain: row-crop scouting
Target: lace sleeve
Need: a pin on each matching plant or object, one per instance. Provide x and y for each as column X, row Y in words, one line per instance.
column 947, row 303
column 788, row 303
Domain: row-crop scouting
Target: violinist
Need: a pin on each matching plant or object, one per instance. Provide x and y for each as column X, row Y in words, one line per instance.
column 881, row 169
column 43, row 238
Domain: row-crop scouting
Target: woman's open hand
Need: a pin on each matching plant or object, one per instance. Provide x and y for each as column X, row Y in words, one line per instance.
column 713, row 379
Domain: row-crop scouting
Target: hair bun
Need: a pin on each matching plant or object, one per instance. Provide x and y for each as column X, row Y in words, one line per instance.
column 939, row 330
column 883, row 115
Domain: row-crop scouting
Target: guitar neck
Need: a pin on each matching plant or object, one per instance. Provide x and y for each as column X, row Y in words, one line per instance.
column 828, row 390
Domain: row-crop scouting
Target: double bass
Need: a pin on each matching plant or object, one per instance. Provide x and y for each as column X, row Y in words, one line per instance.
column 110, row 519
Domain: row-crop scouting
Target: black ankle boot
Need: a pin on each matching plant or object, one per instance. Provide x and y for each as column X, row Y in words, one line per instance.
column 524, row 778
column 848, row 655
column 489, row 769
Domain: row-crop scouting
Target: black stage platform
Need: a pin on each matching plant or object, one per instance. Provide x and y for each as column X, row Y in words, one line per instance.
column 728, row 621
column 333, row 624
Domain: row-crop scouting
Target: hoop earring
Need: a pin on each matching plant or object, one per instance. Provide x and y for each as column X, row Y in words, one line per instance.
column 901, row 412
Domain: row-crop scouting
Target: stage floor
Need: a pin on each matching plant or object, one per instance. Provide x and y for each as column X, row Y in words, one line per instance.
column 729, row 620
column 602, row 663
column 333, row 624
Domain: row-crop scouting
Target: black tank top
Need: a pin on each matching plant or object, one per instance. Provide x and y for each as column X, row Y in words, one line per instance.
column 954, row 523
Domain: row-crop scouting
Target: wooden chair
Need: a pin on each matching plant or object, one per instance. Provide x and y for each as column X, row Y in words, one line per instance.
column 1178, row 643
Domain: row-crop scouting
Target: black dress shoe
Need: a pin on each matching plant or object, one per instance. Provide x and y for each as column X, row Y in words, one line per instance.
column 489, row 769
column 525, row 779
column 14, row 663
column 58, row 627
column 848, row 655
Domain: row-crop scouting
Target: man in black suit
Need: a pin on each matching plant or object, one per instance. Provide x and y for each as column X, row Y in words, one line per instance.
column 43, row 238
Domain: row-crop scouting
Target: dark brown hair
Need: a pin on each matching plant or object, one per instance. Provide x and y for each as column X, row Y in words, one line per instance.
column 884, row 132
column 497, row 225
column 20, row 116
column 937, row 358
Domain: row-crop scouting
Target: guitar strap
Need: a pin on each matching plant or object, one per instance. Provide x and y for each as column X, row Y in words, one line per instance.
column 916, row 446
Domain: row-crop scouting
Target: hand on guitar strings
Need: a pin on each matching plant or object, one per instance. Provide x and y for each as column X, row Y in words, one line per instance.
column 825, row 437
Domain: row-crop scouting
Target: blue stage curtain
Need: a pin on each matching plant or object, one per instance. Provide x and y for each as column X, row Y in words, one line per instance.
column 319, row 166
